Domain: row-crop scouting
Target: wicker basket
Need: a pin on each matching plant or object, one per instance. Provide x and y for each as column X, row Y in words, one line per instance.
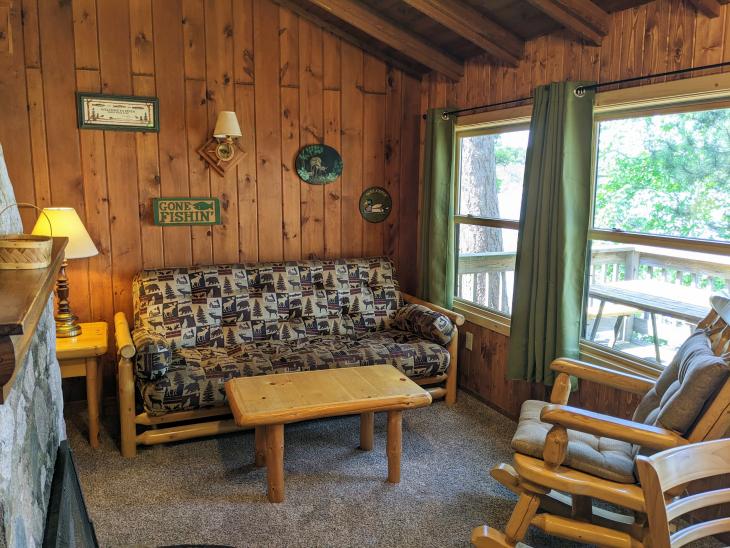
column 24, row 251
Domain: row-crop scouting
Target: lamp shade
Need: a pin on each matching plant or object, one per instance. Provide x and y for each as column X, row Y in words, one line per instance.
column 67, row 224
column 226, row 125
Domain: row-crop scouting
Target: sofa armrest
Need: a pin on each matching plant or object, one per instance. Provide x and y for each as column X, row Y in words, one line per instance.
column 597, row 424
column 426, row 323
column 123, row 337
column 455, row 317
column 152, row 355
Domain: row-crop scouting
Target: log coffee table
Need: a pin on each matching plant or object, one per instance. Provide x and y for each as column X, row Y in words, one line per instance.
column 268, row 402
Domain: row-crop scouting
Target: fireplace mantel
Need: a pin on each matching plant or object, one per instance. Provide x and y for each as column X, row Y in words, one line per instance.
column 25, row 294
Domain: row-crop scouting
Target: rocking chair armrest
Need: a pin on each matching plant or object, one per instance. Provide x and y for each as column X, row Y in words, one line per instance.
column 125, row 346
column 455, row 317
column 603, row 375
column 589, row 422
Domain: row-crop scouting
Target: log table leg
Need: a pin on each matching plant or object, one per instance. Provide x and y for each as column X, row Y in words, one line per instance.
column 92, row 400
column 275, row 461
column 260, row 446
column 367, row 425
column 395, row 419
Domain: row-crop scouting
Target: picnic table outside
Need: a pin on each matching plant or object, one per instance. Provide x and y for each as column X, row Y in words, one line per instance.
column 688, row 304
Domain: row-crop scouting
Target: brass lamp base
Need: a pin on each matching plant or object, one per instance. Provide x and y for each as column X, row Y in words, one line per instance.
column 67, row 326
column 66, row 321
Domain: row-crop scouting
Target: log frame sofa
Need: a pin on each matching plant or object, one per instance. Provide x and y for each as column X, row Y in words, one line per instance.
column 175, row 425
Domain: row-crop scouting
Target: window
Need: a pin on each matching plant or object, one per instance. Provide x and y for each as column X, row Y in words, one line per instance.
column 660, row 241
column 491, row 166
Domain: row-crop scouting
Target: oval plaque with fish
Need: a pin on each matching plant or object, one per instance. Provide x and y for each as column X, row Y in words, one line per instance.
column 186, row 211
column 318, row 164
column 375, row 204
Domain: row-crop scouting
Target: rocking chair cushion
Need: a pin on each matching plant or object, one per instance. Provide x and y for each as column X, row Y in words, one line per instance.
column 685, row 387
column 603, row 457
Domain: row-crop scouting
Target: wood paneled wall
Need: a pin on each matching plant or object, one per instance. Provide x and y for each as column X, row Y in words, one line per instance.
column 290, row 83
column 660, row 36
column 482, row 371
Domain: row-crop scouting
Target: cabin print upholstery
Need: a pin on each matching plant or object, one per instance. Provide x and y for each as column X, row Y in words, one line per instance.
column 198, row 327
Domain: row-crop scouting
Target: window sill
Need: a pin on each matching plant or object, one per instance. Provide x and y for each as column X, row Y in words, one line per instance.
column 588, row 351
column 482, row 317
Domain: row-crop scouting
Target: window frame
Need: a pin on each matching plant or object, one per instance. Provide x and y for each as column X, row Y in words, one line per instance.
column 617, row 107
column 489, row 123
column 690, row 94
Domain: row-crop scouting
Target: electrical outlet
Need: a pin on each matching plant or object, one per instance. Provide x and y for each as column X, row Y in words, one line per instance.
column 468, row 340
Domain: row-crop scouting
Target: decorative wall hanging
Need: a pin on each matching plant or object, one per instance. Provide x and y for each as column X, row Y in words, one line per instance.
column 186, row 211
column 117, row 112
column 222, row 151
column 375, row 204
column 318, row 164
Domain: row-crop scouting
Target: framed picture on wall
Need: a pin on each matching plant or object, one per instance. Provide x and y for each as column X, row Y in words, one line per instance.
column 117, row 112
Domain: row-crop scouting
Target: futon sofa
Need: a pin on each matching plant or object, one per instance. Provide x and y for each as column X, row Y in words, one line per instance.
column 195, row 328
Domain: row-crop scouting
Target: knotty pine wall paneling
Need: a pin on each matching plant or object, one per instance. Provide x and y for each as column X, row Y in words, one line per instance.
column 290, row 83
column 656, row 37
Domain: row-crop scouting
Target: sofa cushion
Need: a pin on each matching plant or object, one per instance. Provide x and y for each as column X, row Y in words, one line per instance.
column 685, row 387
column 603, row 457
column 196, row 379
column 197, row 376
column 425, row 322
column 228, row 305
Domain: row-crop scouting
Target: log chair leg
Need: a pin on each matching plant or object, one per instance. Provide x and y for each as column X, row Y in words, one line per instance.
column 260, row 446
column 128, row 427
column 275, row 461
column 367, row 426
column 395, row 434
column 522, row 515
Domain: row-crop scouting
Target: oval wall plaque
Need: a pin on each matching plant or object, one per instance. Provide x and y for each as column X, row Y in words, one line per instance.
column 375, row 204
column 318, row 164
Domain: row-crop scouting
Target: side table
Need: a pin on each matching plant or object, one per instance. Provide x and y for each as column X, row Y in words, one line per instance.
column 79, row 357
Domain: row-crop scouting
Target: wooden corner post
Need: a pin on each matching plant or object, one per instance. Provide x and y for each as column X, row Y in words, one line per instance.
column 452, row 375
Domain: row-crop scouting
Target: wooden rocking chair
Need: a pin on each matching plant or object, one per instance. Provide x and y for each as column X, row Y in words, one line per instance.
column 662, row 474
column 566, row 457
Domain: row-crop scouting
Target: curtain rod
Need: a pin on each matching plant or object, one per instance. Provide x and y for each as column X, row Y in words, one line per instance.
column 581, row 90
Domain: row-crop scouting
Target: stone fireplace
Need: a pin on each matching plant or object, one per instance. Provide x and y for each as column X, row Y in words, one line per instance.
column 31, row 419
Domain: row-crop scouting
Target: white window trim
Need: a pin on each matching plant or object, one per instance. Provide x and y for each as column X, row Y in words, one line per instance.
column 501, row 121
column 705, row 92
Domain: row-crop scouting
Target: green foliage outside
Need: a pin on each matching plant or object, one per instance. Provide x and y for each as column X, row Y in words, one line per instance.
column 667, row 174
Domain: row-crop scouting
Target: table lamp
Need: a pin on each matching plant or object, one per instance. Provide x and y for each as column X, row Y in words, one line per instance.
column 64, row 222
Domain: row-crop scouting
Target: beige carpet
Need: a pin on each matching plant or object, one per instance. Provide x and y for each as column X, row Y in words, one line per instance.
column 207, row 491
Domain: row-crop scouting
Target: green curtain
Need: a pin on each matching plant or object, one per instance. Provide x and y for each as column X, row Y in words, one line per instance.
column 551, row 247
column 436, row 266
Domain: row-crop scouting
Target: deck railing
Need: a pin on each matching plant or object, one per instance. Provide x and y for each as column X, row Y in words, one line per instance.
column 485, row 278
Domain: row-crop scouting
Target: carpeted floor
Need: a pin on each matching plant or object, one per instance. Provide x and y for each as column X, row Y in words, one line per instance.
column 207, row 491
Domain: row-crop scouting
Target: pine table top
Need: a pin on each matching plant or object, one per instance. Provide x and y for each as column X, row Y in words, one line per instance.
column 91, row 342
column 292, row 397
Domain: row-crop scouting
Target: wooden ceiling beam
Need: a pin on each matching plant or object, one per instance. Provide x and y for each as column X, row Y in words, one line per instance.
column 356, row 14
column 581, row 17
column 710, row 8
column 411, row 69
column 471, row 25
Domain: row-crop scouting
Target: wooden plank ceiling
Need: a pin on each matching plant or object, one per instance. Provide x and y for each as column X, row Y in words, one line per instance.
column 419, row 36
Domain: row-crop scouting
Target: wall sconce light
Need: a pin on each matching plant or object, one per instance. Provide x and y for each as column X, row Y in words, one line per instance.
column 220, row 150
